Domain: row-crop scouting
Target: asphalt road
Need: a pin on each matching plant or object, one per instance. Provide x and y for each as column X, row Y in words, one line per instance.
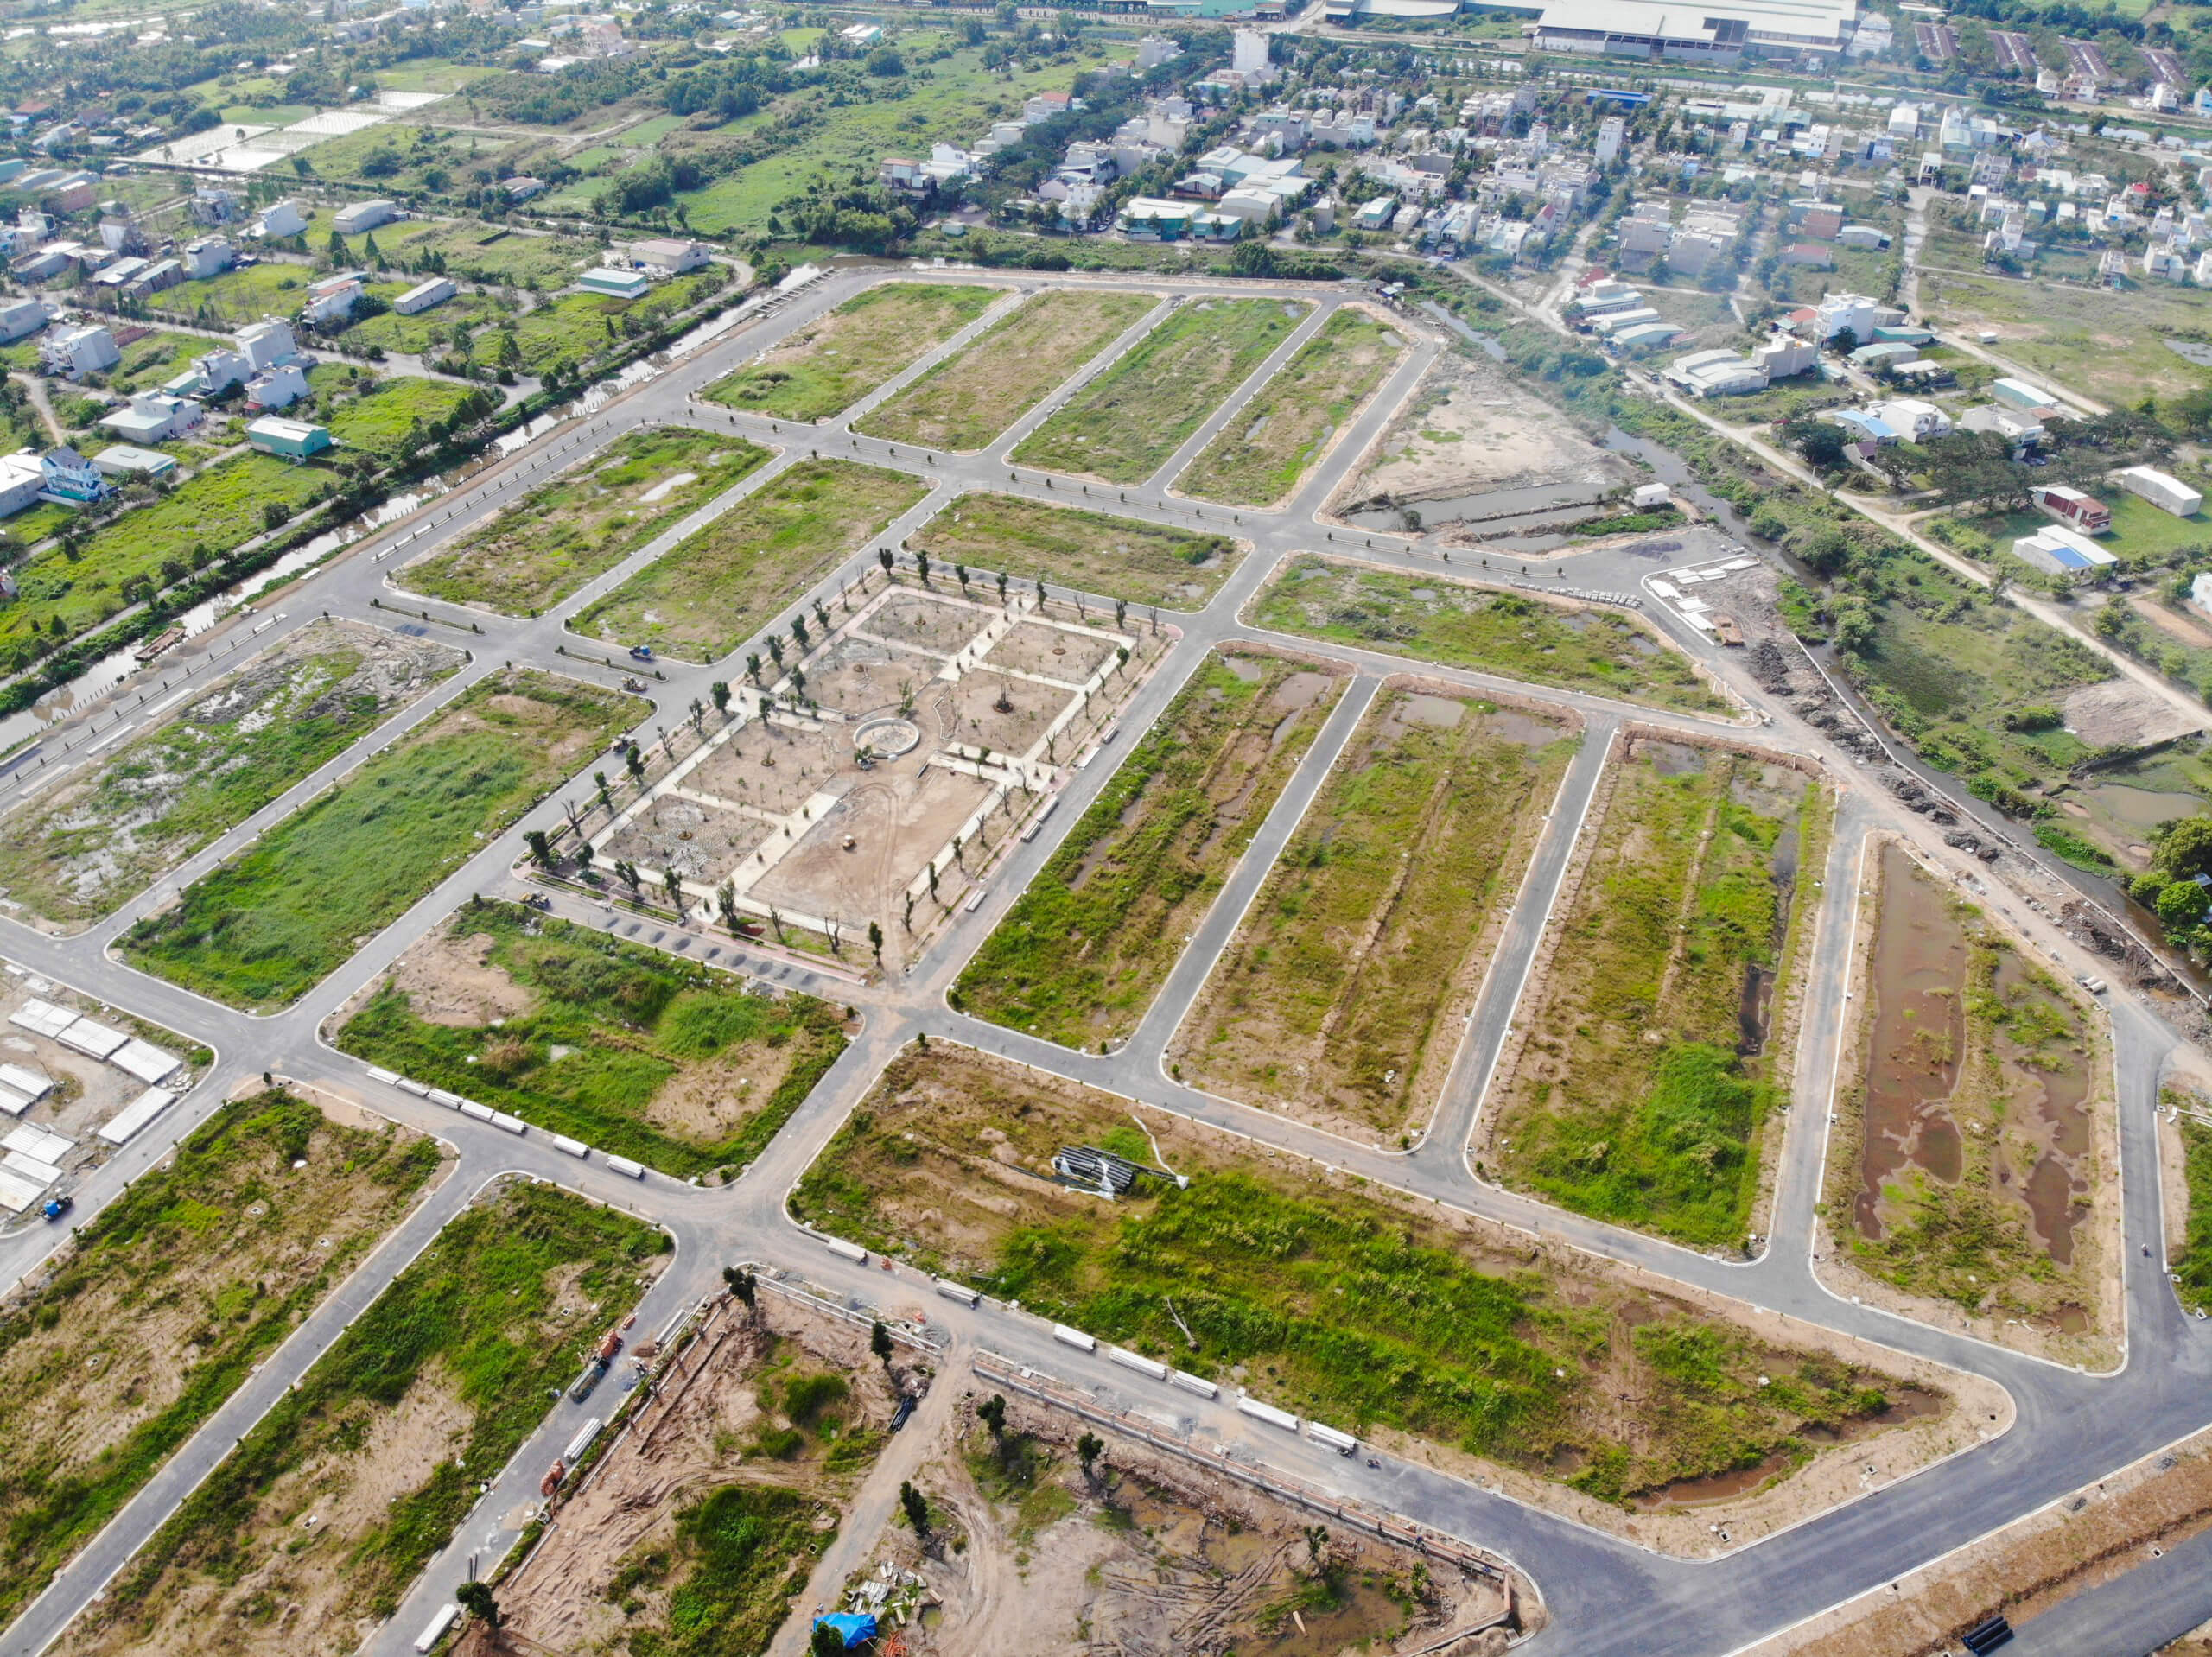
column 1605, row 1595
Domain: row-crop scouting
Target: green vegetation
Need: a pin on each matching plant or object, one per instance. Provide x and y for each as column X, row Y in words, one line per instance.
column 1125, row 424
column 560, row 335
column 546, row 545
column 68, row 590
column 469, row 251
column 151, row 362
column 159, row 1308
column 1543, row 1361
column 471, row 1335
column 149, row 805
column 1514, row 635
column 2191, row 1264
column 400, row 415
column 744, row 1551
column 966, row 401
column 1637, row 1102
column 264, row 928
column 424, row 333
column 703, row 597
column 2109, row 344
column 1083, row 951
column 1094, row 552
column 610, row 1029
column 1260, row 456
column 841, row 357
column 241, row 296
column 1369, row 933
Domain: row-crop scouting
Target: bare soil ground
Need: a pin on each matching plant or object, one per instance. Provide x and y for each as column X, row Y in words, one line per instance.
column 591, row 1583
column 1145, row 1557
column 899, row 816
column 926, row 623
column 2097, row 1533
column 2119, row 712
column 207, row 763
column 775, row 767
column 995, row 711
column 860, row 675
column 699, row 841
column 1059, row 653
column 1470, row 430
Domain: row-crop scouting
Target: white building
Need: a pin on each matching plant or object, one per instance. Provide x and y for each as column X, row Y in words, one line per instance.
column 2057, row 550
column 1912, row 419
column 331, row 300
column 424, row 295
column 19, row 317
column 207, row 256
column 1611, row 131
column 363, row 215
column 267, row 341
column 2167, row 494
column 79, row 351
column 280, row 218
column 152, row 417
column 278, row 386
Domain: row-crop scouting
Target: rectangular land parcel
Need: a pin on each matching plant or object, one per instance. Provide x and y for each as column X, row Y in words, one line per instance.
column 836, row 360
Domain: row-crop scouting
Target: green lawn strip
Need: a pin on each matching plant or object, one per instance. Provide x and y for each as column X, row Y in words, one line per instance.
column 839, row 358
column 151, row 804
column 226, row 1247
column 1339, row 1299
column 740, row 1554
column 964, row 403
column 263, row 929
column 1096, row 552
column 611, row 1025
column 2191, row 1264
column 705, row 596
column 396, row 416
column 1678, row 906
column 1123, row 426
column 475, row 1317
column 1458, row 624
column 203, row 518
column 1260, row 456
column 1334, row 989
column 543, row 547
column 1086, row 947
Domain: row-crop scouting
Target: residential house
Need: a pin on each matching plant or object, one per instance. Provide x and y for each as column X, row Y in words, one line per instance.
column 153, row 417
column 278, row 386
column 70, row 479
column 363, row 216
column 291, row 440
column 331, row 300
column 74, row 352
column 205, row 257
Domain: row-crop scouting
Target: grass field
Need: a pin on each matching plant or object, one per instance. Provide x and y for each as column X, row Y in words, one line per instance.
column 238, row 296
column 472, row 251
column 1259, row 457
column 201, row 518
column 1125, row 424
column 160, row 1306
column 149, row 364
column 1634, row 1102
column 392, row 419
column 703, row 597
column 965, row 402
column 1514, row 635
column 2191, row 1264
column 577, row 328
column 1339, row 999
column 959, row 100
column 1447, row 1331
column 2104, row 343
column 546, row 545
column 1096, row 552
column 264, row 928
column 2143, row 537
column 79, row 851
column 837, row 359
column 1086, row 947
column 385, row 1439
column 424, row 330
column 631, row 1050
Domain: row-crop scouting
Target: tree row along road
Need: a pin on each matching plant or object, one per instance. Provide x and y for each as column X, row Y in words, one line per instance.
column 1605, row 1595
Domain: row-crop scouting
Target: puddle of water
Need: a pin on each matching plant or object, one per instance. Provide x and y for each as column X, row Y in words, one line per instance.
column 1544, row 500
column 2194, row 350
column 1511, row 725
column 2050, row 1195
column 1715, row 1486
column 2143, row 808
column 1918, row 1030
column 1440, row 712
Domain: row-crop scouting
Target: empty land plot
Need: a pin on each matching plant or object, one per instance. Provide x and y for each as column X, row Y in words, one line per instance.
column 1123, row 426
column 263, row 928
column 639, row 1053
column 384, row 1441
column 1093, row 552
column 1655, row 1050
column 698, row 1530
column 208, row 765
column 1485, row 629
column 1141, row 1552
column 1339, row 1000
column 1440, row 1327
column 1970, row 1169
column 549, row 543
column 837, row 359
column 2110, row 344
column 703, row 597
column 1260, row 456
column 1083, row 951
column 964, row 403
column 2185, row 1146
column 200, row 519
column 118, row 1349
column 399, row 415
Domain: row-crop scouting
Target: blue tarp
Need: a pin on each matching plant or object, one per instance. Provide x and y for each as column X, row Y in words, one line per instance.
column 857, row 1627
